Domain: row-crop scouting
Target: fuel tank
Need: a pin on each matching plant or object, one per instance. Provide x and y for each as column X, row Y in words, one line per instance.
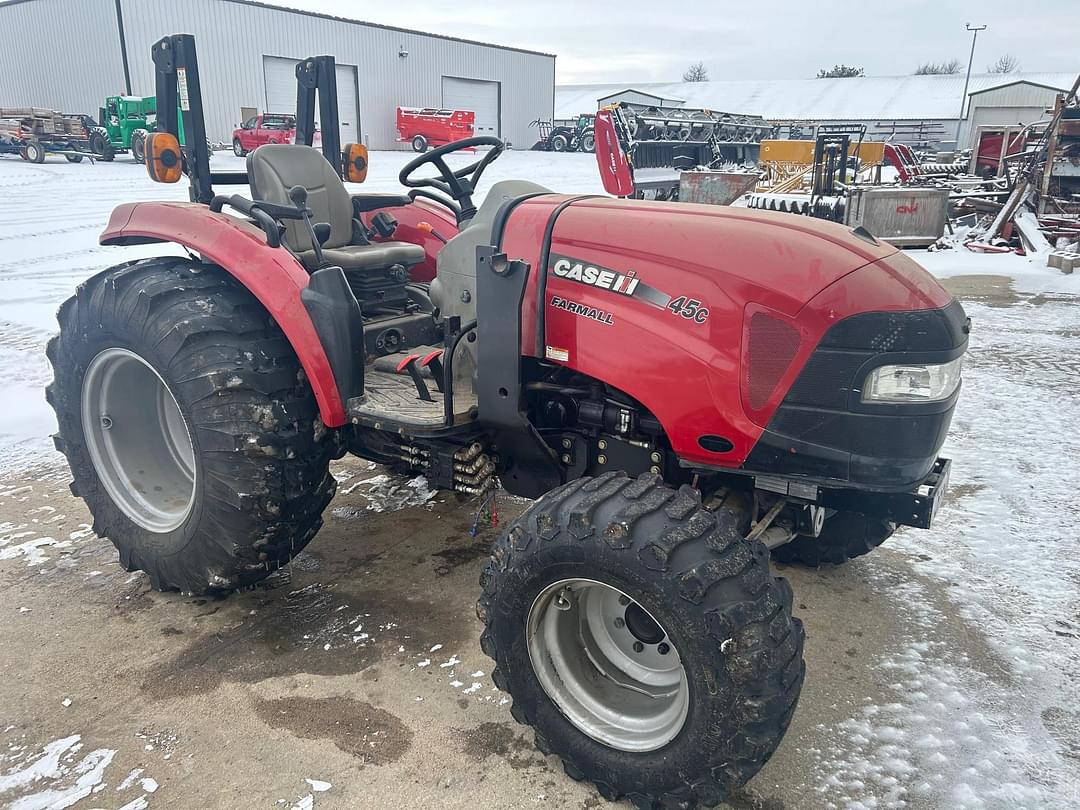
column 707, row 315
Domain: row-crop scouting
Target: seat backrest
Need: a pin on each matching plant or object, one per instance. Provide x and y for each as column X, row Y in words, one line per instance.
column 274, row 168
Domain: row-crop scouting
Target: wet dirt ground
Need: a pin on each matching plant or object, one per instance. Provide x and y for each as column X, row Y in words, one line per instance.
column 359, row 666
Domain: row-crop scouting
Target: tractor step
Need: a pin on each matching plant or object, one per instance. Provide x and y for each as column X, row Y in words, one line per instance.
column 391, row 398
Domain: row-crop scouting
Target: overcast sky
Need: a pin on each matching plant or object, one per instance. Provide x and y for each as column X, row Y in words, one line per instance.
column 651, row 40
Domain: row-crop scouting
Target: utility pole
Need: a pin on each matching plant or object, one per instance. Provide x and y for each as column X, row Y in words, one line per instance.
column 974, row 29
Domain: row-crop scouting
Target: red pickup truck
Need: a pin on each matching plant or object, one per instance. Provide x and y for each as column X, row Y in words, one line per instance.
column 265, row 128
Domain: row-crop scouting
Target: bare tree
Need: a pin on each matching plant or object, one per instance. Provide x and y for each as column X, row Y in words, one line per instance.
column 1006, row 63
column 841, row 72
column 939, row 68
column 697, row 72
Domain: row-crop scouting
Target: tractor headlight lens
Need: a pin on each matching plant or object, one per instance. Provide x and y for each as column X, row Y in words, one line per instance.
column 912, row 382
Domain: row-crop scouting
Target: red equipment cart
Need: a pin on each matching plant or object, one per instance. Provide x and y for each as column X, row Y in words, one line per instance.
column 428, row 126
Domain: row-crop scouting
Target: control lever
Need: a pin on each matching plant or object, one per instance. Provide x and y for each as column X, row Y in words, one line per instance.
column 319, row 233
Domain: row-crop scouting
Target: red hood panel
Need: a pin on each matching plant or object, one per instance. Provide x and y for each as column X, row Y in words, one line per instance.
column 777, row 259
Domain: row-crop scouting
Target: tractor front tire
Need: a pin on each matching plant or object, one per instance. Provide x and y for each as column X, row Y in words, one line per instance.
column 190, row 429
column 419, row 144
column 138, row 145
column 644, row 640
column 100, row 144
column 587, row 142
column 559, row 143
column 844, row 536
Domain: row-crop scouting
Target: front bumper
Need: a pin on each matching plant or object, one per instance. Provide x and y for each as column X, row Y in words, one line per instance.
column 915, row 508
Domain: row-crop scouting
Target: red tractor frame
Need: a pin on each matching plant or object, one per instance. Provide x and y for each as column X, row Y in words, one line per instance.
column 684, row 389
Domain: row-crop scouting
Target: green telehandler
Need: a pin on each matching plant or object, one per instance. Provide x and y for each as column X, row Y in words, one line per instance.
column 124, row 123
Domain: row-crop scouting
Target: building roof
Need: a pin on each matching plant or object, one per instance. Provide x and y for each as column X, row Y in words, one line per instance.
column 352, row 21
column 863, row 98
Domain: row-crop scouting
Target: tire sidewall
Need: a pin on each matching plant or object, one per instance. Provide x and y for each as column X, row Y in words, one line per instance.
column 237, row 148
column 694, row 743
column 114, row 520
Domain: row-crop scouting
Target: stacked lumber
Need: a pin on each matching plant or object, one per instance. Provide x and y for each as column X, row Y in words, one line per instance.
column 39, row 122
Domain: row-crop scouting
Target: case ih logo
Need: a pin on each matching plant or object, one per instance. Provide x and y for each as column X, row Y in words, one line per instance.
column 573, row 270
column 911, row 208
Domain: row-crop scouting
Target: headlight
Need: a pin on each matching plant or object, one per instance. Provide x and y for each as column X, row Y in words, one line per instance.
column 912, row 382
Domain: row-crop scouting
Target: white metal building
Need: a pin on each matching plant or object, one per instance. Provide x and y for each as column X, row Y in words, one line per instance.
column 247, row 53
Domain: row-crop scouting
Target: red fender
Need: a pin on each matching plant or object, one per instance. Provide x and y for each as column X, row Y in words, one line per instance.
column 272, row 275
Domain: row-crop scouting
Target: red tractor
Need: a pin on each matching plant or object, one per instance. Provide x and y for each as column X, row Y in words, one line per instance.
column 683, row 389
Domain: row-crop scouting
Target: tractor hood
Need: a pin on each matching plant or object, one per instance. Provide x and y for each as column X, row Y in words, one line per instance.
column 775, row 259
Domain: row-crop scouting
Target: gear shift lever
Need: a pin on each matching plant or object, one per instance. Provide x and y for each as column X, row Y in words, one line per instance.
column 319, row 232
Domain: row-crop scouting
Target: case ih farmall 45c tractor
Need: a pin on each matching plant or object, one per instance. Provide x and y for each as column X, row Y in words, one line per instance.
column 681, row 388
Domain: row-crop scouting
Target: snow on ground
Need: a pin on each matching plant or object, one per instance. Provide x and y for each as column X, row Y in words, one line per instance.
column 1003, row 552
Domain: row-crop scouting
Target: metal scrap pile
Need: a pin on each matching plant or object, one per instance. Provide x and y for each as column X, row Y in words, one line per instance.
column 1041, row 213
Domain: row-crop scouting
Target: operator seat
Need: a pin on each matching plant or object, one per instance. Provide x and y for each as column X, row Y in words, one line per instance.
column 456, row 262
column 275, row 168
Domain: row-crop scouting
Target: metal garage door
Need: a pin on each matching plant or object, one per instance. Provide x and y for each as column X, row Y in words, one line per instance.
column 473, row 94
column 280, row 77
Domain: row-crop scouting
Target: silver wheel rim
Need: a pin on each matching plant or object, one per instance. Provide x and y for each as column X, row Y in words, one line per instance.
column 581, row 636
column 138, row 440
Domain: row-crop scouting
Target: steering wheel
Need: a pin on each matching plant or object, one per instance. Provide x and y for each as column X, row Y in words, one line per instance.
column 458, row 185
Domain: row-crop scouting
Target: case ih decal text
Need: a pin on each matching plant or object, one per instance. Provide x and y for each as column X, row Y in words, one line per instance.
column 627, row 284
column 574, row 308
column 573, row 270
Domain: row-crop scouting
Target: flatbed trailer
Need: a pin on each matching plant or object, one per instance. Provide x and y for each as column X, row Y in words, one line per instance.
column 33, row 133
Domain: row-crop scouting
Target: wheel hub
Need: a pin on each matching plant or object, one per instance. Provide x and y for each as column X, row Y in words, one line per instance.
column 607, row 664
column 138, row 440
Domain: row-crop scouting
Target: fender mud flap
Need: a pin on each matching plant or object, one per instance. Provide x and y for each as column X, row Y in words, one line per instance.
column 336, row 316
column 528, row 467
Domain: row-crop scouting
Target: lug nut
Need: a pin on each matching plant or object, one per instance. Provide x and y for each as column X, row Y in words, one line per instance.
column 106, row 422
column 655, row 458
column 624, row 600
column 565, row 458
column 654, row 470
column 620, row 622
column 663, row 648
column 601, row 459
column 638, row 646
column 602, row 444
column 567, row 443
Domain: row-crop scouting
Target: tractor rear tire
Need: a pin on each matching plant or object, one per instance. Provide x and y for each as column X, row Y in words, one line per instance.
column 100, row 144
column 844, row 536
column 419, row 144
column 559, row 143
column 190, row 429
column 587, row 142
column 601, row 691
column 138, row 145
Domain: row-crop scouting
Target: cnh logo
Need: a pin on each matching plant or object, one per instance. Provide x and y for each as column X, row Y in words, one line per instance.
column 913, row 208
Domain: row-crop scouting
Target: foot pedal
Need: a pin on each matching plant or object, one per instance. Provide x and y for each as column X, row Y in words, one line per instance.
column 433, row 362
column 408, row 365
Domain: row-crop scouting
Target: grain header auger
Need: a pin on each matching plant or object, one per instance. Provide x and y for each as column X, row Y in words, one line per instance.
column 681, row 388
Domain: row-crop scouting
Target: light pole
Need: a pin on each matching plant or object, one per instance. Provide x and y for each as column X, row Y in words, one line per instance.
column 974, row 29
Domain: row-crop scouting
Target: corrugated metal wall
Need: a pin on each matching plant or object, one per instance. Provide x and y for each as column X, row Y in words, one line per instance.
column 233, row 37
column 1015, row 104
column 59, row 54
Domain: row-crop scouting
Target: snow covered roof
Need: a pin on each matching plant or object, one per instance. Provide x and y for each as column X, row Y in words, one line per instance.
column 882, row 97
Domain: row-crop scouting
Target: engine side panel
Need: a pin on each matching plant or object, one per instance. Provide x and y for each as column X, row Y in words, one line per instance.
column 272, row 275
